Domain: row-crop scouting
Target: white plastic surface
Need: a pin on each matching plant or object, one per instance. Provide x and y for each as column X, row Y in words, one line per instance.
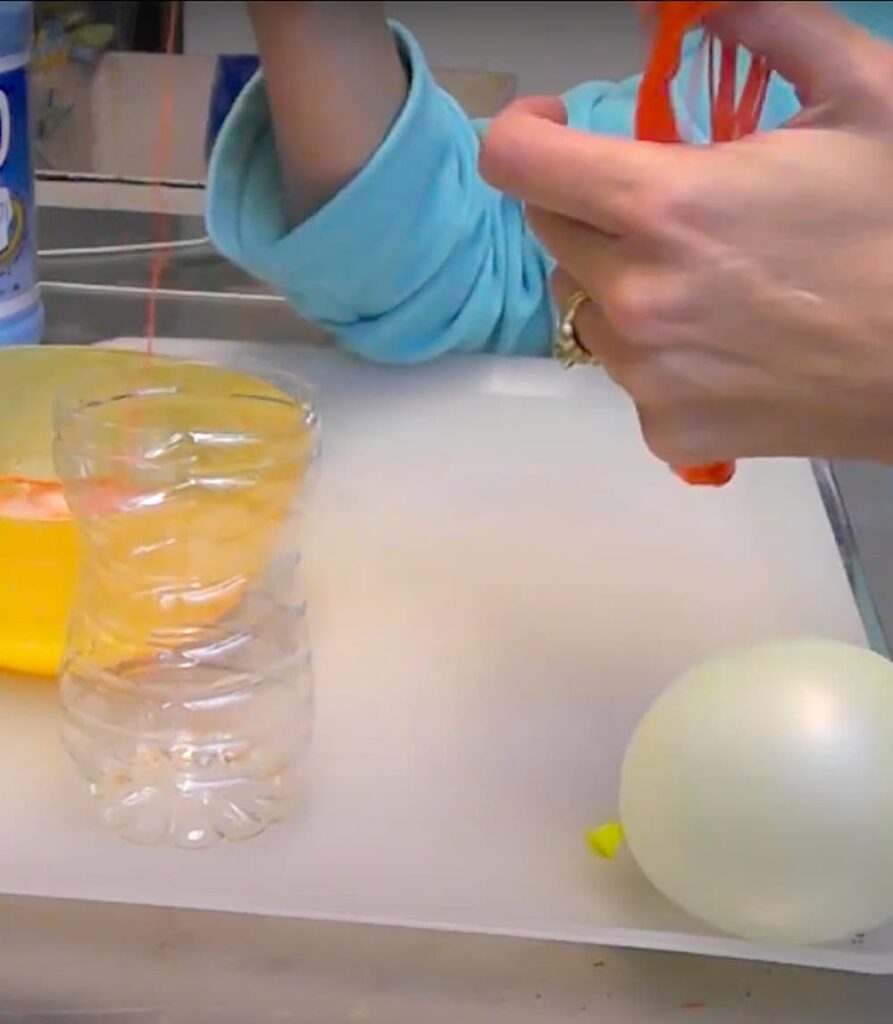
column 500, row 578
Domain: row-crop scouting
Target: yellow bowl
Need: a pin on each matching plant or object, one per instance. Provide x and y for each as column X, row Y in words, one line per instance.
column 40, row 556
column 38, row 566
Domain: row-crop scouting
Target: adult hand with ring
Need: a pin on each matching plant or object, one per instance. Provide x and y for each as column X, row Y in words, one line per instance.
column 741, row 292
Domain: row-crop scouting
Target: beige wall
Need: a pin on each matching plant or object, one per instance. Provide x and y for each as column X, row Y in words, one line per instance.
column 548, row 44
column 113, row 128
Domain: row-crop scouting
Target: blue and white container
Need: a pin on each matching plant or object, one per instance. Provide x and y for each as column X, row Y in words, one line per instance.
column 21, row 309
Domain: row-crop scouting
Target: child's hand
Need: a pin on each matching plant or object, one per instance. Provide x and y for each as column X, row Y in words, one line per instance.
column 740, row 292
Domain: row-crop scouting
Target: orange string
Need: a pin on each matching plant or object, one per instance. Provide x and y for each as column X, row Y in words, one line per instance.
column 33, row 490
column 162, row 158
column 655, row 119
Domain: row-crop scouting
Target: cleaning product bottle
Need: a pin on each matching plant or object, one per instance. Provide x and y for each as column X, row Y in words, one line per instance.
column 21, row 309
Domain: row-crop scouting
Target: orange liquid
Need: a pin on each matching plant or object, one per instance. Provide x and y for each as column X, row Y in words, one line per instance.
column 38, row 554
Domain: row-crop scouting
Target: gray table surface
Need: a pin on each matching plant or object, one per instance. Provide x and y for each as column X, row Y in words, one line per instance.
column 77, row 962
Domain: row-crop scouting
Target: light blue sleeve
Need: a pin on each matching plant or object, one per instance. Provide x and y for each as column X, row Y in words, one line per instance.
column 417, row 256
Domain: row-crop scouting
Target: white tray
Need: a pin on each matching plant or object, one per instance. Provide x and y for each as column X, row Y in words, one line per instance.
column 501, row 579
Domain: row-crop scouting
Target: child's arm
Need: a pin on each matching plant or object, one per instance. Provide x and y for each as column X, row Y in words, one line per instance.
column 335, row 84
column 372, row 221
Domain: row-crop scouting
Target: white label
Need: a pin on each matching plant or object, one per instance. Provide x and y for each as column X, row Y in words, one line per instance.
column 6, row 216
column 5, row 127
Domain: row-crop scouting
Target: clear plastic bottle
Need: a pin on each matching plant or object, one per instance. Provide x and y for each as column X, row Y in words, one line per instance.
column 187, row 686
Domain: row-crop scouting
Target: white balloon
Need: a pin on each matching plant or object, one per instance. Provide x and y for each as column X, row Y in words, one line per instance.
column 757, row 792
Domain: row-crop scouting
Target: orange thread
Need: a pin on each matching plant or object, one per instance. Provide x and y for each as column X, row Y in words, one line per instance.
column 162, row 157
column 27, row 497
column 655, row 119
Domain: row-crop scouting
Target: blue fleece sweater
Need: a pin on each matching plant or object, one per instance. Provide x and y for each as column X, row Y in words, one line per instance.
column 417, row 256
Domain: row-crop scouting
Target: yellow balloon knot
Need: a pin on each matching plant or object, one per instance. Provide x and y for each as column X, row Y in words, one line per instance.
column 606, row 840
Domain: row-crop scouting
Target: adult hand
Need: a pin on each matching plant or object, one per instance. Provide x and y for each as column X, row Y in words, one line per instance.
column 741, row 293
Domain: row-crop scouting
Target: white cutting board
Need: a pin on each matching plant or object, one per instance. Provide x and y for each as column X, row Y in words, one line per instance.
column 501, row 579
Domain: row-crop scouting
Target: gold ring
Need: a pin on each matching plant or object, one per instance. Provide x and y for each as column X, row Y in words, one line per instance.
column 567, row 347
